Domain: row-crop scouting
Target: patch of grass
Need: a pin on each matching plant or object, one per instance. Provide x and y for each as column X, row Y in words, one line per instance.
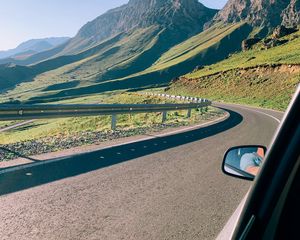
column 4, row 124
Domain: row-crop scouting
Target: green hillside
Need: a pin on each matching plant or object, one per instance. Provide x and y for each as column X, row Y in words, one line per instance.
column 140, row 59
column 191, row 48
column 264, row 78
column 285, row 54
column 91, row 65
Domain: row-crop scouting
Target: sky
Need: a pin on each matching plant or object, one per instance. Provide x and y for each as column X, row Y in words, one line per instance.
column 21, row 20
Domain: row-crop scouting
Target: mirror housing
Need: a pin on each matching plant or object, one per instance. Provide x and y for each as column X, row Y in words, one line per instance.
column 244, row 162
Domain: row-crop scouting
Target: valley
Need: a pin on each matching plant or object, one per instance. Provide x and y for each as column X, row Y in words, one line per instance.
column 182, row 49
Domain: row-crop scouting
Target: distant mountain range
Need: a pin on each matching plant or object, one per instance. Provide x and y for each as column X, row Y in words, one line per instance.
column 31, row 47
column 141, row 44
column 181, row 18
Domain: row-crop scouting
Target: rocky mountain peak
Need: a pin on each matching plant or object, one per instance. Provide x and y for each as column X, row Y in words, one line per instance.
column 161, row 3
column 291, row 15
column 262, row 13
column 189, row 15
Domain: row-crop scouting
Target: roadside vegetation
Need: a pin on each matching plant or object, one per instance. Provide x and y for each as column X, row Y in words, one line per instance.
column 42, row 136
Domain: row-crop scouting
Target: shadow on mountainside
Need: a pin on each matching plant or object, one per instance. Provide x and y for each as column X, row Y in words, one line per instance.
column 218, row 52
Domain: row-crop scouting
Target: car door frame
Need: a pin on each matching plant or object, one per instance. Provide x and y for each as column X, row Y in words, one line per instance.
column 270, row 183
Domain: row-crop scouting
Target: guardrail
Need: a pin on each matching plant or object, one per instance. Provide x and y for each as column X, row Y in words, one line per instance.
column 182, row 98
column 25, row 112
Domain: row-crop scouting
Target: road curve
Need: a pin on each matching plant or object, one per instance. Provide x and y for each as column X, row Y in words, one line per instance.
column 164, row 188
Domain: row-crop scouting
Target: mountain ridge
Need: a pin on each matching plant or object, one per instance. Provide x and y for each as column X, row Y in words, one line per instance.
column 142, row 14
column 185, row 16
column 145, row 29
column 266, row 14
column 33, row 45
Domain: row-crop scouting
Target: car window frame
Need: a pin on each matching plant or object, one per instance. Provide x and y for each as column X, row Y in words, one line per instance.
column 269, row 184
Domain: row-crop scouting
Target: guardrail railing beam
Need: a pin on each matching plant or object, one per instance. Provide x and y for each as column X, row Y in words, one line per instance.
column 27, row 112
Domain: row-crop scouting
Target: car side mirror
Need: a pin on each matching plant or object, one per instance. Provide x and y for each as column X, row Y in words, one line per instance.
column 244, row 161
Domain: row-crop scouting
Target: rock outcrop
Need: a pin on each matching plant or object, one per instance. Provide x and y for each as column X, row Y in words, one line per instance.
column 248, row 43
column 282, row 31
column 291, row 15
column 266, row 14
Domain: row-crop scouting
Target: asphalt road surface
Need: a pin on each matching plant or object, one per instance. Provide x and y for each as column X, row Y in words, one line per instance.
column 164, row 188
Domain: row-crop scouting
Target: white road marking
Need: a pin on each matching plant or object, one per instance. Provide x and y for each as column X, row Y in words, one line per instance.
column 248, row 106
column 257, row 111
column 276, row 119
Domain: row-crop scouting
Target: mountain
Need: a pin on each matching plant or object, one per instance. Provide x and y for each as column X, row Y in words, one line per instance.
column 186, row 16
column 182, row 18
column 121, row 42
column 265, row 14
column 32, row 47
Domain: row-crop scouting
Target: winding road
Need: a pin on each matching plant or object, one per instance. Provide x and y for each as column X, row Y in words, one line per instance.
column 167, row 187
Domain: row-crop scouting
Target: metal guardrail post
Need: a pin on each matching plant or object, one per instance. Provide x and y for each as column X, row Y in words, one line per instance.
column 200, row 111
column 113, row 122
column 189, row 114
column 164, row 116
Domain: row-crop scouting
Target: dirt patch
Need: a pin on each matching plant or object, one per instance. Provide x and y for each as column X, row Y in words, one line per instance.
column 262, row 69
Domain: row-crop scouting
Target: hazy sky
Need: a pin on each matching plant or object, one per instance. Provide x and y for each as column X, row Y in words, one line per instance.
column 21, row 20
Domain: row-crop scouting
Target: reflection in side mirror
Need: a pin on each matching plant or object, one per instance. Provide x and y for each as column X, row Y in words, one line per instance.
column 244, row 161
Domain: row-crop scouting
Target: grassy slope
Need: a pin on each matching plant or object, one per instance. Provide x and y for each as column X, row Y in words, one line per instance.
column 286, row 54
column 86, row 68
column 205, row 48
column 251, row 77
column 193, row 46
